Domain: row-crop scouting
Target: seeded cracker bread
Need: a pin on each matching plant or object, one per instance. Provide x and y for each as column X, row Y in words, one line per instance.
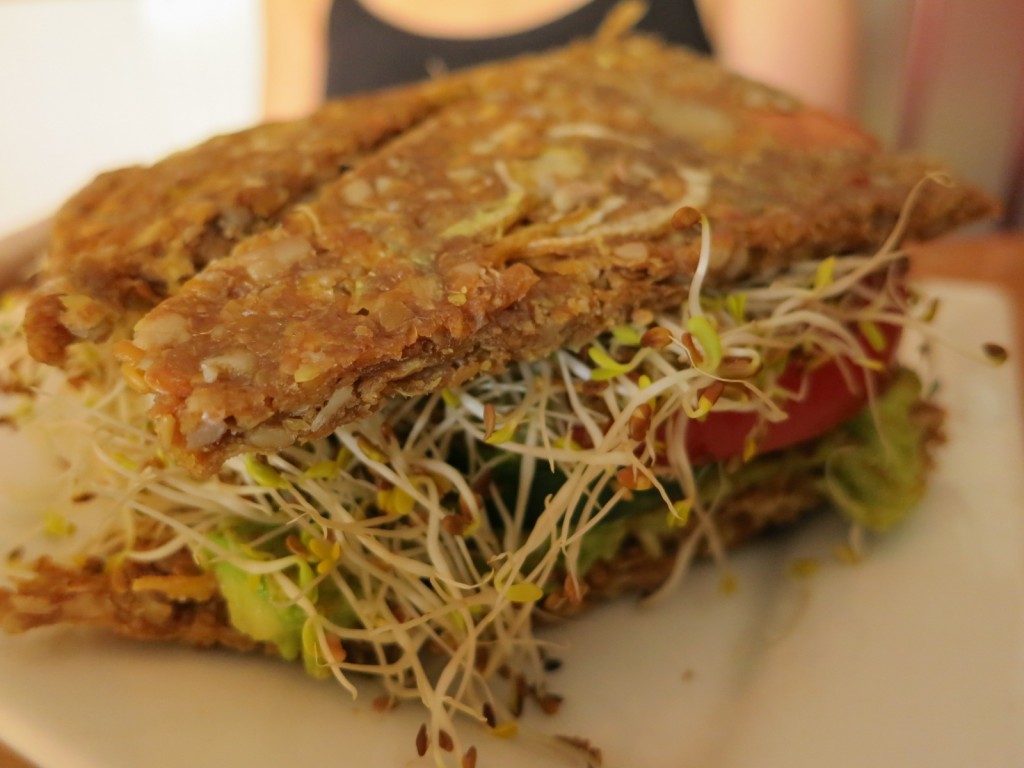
column 528, row 213
column 134, row 236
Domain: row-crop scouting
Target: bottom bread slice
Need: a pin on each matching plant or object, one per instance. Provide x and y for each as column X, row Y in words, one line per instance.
column 175, row 600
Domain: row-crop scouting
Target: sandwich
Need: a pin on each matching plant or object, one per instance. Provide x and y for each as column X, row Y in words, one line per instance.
column 388, row 388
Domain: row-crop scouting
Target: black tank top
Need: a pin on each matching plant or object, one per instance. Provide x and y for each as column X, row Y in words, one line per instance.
column 366, row 52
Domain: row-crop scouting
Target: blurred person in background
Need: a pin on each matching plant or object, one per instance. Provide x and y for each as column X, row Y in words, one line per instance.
column 317, row 49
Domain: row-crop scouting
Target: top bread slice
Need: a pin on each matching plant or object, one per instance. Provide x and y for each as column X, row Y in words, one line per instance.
column 486, row 218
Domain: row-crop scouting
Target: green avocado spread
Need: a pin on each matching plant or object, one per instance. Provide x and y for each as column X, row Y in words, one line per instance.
column 257, row 611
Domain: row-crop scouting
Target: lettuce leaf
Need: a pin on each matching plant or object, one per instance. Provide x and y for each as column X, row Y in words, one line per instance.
column 875, row 469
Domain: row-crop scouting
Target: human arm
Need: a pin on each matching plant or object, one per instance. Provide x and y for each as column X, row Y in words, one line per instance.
column 295, row 57
column 806, row 47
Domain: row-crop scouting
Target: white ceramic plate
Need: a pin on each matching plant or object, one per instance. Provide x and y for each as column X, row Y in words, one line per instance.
column 913, row 658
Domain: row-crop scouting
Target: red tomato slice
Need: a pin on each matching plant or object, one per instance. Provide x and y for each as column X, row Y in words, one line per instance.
column 827, row 402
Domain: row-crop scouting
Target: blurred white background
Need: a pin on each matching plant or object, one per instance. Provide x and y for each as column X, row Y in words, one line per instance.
column 87, row 85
